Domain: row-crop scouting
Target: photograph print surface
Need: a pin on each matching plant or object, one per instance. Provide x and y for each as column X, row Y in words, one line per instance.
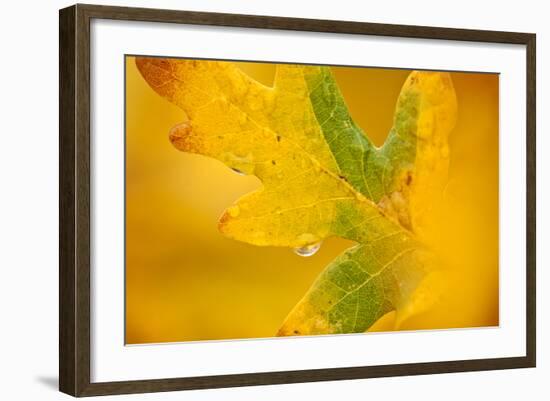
column 272, row 199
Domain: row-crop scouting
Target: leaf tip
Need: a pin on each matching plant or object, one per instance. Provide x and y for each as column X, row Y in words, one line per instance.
column 229, row 214
column 436, row 87
column 179, row 136
column 162, row 76
column 285, row 332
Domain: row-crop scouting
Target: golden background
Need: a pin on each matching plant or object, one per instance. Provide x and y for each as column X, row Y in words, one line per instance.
column 185, row 281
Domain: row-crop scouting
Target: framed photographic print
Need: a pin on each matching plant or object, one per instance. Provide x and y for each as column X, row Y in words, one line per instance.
column 251, row 200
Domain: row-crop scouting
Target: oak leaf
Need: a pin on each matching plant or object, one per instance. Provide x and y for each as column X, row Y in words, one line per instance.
column 321, row 177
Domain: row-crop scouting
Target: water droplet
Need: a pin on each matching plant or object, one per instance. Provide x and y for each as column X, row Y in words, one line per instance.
column 237, row 171
column 308, row 250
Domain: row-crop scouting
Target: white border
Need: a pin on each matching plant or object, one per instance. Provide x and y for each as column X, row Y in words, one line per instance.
column 111, row 361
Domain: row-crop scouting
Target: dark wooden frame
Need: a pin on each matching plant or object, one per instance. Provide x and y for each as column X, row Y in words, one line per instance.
column 74, row 199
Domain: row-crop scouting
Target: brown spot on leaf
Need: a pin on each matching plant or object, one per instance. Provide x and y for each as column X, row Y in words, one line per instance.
column 343, row 177
column 409, row 179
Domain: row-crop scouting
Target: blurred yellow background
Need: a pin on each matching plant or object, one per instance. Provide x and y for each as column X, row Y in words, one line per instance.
column 185, row 281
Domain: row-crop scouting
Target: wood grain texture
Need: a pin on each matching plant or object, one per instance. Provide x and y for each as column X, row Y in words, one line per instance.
column 67, row 294
column 530, row 263
column 74, row 199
